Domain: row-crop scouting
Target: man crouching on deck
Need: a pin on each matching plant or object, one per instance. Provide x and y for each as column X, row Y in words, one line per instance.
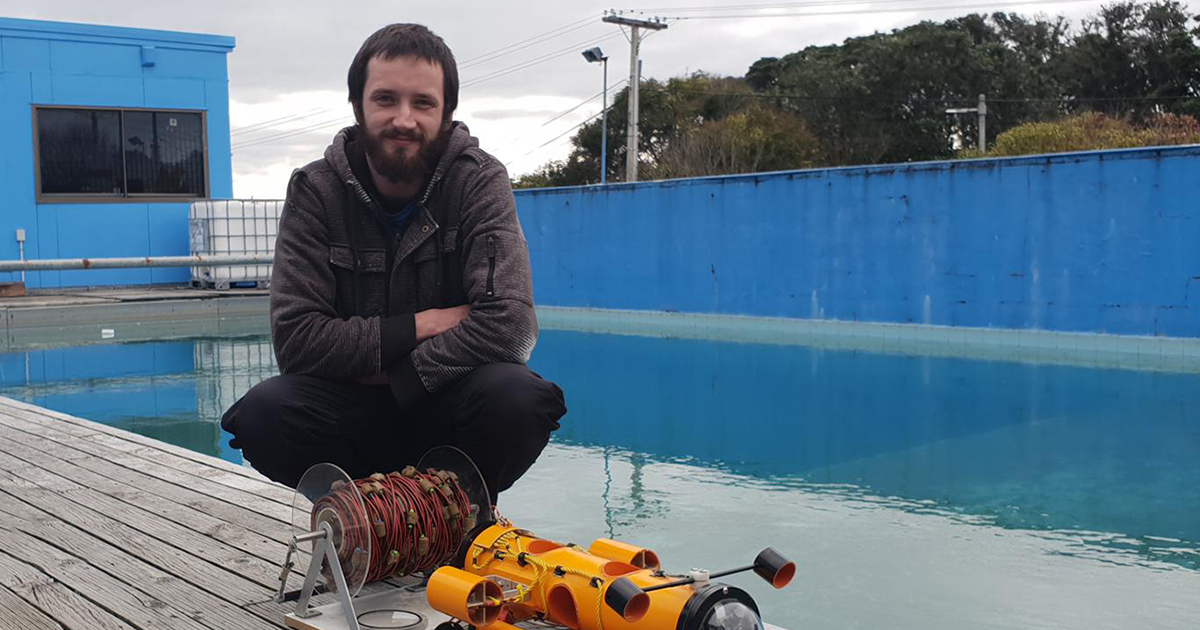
column 401, row 299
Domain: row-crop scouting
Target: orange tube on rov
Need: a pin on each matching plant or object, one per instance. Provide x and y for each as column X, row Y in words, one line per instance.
column 575, row 588
column 465, row 596
column 624, row 552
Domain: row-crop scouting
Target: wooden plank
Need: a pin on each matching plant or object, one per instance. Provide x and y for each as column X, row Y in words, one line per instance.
column 237, row 526
column 229, row 513
column 69, row 608
column 53, row 517
column 46, row 490
column 188, row 600
column 274, row 509
column 235, row 478
column 202, row 496
column 214, row 462
column 262, row 488
column 49, row 473
column 143, row 610
column 213, row 468
column 18, row 613
column 182, row 459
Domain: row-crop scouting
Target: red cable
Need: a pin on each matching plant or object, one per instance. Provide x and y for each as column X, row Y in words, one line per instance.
column 388, row 502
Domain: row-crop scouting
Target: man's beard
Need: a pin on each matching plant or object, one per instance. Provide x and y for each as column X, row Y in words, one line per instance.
column 399, row 168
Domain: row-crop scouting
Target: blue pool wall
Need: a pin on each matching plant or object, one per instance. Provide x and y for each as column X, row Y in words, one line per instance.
column 86, row 65
column 1101, row 242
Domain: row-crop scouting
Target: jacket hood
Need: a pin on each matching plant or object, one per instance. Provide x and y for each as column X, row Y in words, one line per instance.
column 335, row 154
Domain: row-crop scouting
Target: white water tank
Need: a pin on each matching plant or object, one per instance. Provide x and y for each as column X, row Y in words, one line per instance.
column 233, row 226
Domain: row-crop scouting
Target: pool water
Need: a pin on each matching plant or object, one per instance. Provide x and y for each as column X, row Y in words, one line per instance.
column 913, row 491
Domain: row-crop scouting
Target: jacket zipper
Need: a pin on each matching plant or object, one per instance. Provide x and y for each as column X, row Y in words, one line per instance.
column 491, row 266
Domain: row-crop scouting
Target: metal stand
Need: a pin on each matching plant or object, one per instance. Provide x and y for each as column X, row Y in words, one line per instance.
column 323, row 552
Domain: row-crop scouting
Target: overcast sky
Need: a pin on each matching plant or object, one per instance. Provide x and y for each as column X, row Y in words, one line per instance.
column 291, row 58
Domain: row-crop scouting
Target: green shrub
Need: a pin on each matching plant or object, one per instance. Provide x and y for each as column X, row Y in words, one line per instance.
column 1092, row 131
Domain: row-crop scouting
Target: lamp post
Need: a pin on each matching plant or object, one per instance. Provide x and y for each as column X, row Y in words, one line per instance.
column 596, row 55
column 981, row 111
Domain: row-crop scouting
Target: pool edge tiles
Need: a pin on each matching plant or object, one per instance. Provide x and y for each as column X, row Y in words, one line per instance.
column 1167, row 354
column 136, row 319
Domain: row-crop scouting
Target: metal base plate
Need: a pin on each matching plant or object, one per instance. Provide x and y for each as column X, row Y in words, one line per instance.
column 391, row 598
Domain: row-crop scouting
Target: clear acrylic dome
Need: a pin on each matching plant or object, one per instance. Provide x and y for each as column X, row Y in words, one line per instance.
column 731, row 615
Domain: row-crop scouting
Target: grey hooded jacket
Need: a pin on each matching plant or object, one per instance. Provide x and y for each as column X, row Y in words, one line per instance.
column 345, row 286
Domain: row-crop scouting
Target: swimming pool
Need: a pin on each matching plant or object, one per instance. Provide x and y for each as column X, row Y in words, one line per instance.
column 914, row 491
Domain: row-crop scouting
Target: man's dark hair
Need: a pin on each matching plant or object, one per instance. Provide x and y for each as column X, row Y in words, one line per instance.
column 398, row 40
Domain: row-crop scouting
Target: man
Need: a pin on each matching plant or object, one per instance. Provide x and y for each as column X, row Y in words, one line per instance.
column 401, row 302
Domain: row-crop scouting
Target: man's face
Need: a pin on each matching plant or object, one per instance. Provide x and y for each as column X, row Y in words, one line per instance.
column 401, row 115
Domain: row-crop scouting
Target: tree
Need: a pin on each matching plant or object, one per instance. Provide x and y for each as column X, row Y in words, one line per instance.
column 678, row 122
column 1144, row 52
column 883, row 97
column 753, row 139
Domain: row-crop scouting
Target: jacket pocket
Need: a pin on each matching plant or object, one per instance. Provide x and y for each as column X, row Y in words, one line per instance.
column 367, row 260
column 362, row 292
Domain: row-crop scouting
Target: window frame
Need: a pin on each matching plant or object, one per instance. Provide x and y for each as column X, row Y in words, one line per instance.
column 125, row 196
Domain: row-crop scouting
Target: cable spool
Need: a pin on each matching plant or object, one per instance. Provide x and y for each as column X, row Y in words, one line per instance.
column 394, row 524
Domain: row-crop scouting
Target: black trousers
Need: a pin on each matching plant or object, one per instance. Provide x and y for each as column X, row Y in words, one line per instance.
column 501, row 415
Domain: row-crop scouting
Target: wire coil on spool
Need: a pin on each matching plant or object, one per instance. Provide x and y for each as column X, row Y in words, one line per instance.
column 394, row 524
column 417, row 520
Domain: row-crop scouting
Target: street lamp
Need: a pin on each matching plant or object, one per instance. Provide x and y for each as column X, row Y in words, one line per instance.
column 594, row 55
column 981, row 111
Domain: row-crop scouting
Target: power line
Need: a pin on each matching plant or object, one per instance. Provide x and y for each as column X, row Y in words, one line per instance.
column 247, row 127
column 766, row 6
column 526, row 43
column 342, row 120
column 947, row 7
column 586, row 121
column 277, row 122
column 582, row 103
column 535, row 61
column 886, row 10
column 565, row 112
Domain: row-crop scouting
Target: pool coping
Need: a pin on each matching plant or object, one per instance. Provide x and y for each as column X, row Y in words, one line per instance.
column 119, row 314
column 145, row 314
column 1168, row 354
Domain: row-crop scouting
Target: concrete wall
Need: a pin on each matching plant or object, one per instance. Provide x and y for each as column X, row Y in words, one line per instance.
column 1103, row 242
column 50, row 63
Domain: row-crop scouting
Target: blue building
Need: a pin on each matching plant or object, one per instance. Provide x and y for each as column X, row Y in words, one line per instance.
column 108, row 134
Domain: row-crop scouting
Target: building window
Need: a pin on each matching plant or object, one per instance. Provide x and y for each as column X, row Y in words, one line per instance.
column 120, row 153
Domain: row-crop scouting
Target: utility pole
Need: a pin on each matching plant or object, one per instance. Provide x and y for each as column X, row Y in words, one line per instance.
column 631, row 139
column 981, row 110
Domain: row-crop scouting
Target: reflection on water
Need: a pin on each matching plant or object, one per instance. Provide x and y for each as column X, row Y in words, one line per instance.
column 914, row 492
column 1038, row 446
column 864, row 561
column 173, row 391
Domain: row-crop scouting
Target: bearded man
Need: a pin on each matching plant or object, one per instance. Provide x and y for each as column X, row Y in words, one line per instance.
column 401, row 299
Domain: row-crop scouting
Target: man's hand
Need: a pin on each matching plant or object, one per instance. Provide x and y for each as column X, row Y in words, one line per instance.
column 436, row 321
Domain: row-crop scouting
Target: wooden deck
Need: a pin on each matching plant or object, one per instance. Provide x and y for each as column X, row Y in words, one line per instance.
column 104, row 529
